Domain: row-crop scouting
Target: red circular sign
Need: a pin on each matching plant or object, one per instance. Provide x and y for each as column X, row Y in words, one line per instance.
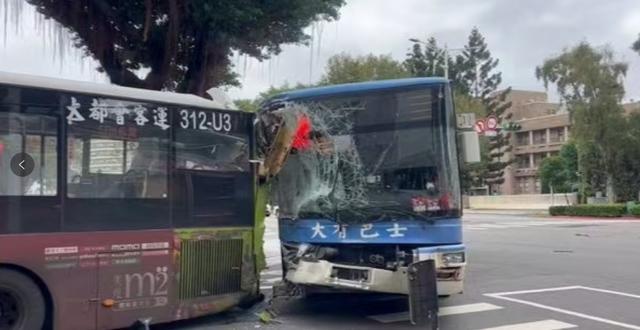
column 492, row 122
column 479, row 126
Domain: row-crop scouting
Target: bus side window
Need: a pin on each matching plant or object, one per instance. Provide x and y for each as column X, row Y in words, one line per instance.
column 116, row 160
column 34, row 135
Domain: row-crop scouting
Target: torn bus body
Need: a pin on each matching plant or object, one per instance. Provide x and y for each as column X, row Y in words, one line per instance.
column 369, row 186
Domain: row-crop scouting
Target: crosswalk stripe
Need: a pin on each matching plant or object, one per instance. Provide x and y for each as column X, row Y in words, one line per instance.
column 272, row 280
column 272, row 272
column 470, row 308
column 538, row 325
column 444, row 311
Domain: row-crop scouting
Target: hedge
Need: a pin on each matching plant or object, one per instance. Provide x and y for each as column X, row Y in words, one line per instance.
column 634, row 210
column 605, row 210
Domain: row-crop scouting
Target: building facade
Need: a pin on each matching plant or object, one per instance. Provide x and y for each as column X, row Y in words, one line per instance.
column 545, row 128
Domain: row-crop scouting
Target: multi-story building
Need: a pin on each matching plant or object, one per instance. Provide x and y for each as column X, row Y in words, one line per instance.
column 545, row 128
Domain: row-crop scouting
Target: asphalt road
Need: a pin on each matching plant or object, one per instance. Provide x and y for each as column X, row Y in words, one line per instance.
column 524, row 272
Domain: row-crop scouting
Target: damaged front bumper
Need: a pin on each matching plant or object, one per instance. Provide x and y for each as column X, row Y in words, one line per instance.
column 450, row 266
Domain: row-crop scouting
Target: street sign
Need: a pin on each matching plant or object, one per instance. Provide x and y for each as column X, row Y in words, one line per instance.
column 492, row 123
column 479, row 126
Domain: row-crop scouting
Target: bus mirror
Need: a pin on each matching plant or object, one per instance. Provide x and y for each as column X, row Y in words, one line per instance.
column 470, row 144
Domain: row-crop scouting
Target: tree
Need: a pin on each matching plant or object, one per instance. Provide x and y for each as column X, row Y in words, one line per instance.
column 477, row 76
column 559, row 173
column 253, row 105
column 636, row 45
column 430, row 62
column 627, row 163
column 343, row 68
column 183, row 45
column 552, row 175
column 589, row 82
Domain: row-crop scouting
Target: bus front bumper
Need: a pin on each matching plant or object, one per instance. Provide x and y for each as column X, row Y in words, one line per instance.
column 449, row 273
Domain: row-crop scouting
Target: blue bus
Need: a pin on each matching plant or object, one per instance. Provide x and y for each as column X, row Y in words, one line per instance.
column 370, row 186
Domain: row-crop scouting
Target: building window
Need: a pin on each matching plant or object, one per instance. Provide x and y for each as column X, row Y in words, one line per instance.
column 556, row 135
column 540, row 136
column 522, row 138
column 522, row 161
column 537, row 158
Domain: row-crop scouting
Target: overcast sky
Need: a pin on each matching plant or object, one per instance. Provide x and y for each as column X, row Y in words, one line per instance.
column 520, row 33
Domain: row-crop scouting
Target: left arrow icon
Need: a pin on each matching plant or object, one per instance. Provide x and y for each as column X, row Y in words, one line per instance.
column 22, row 164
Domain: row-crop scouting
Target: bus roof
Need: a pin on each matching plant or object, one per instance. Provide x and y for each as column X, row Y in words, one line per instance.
column 25, row 80
column 357, row 87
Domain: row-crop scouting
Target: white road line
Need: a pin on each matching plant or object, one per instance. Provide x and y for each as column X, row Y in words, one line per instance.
column 444, row 311
column 272, row 272
column 538, row 325
column 470, row 308
column 265, row 287
column 564, row 311
column 271, row 280
column 509, row 293
column 611, row 292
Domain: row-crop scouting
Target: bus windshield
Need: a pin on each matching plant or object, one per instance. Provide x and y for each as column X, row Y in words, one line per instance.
column 374, row 156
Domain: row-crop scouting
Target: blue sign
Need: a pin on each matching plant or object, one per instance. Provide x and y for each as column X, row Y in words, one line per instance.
column 441, row 231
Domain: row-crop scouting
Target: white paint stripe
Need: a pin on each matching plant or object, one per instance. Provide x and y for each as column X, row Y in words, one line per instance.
column 265, row 287
column 611, row 292
column 538, row 325
column 509, row 293
column 444, row 311
column 272, row 272
column 568, row 312
column 272, row 280
column 470, row 308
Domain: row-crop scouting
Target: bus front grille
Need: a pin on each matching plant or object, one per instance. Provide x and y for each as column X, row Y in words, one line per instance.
column 210, row 267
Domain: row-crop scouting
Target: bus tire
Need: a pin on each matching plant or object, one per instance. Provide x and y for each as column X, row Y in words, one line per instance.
column 22, row 305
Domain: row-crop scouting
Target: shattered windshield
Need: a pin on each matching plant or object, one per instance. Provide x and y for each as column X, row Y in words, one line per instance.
column 371, row 157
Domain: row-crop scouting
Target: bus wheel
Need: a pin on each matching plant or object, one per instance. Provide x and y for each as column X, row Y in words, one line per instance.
column 22, row 305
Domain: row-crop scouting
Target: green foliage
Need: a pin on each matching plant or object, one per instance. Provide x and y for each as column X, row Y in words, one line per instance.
column 476, row 54
column 553, row 175
column 430, row 62
column 589, row 82
column 634, row 210
column 185, row 45
column 246, row 105
column 626, row 164
column 606, row 210
column 254, row 105
column 467, row 104
column 560, row 172
column 343, row 68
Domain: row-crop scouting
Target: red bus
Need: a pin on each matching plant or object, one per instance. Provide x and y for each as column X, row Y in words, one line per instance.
column 120, row 205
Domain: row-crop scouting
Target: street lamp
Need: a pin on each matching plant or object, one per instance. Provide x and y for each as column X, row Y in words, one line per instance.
column 445, row 53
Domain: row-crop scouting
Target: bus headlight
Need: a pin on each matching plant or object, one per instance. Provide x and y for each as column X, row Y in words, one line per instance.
column 449, row 259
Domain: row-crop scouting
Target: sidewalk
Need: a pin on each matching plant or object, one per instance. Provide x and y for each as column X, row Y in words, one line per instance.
column 534, row 212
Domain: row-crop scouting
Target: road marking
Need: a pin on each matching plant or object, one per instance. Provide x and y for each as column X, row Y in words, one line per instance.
column 504, row 295
column 611, row 292
column 265, row 287
column 272, row 272
column 272, row 280
column 538, row 325
column 510, row 293
column 444, row 311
